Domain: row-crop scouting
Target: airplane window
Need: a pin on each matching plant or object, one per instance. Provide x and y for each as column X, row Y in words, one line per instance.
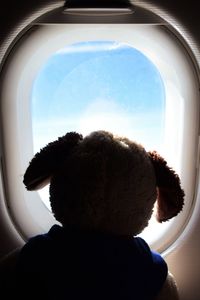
column 137, row 80
column 118, row 89
column 98, row 85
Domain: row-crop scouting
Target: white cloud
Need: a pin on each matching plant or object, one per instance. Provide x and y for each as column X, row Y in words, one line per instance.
column 104, row 114
column 90, row 47
column 100, row 114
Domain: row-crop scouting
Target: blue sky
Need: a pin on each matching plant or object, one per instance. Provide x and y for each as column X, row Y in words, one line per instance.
column 98, row 85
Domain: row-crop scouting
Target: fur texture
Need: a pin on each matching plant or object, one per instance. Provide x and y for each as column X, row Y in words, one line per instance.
column 48, row 160
column 105, row 183
column 170, row 194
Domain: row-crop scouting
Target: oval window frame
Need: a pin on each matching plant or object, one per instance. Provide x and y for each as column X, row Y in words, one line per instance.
column 36, row 219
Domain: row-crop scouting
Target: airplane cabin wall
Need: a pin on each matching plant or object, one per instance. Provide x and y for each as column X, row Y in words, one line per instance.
column 184, row 262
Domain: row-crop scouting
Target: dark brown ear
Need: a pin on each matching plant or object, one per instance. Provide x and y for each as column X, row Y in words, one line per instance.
column 48, row 160
column 170, row 199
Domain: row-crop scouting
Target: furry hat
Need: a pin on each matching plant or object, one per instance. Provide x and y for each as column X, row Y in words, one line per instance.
column 105, row 182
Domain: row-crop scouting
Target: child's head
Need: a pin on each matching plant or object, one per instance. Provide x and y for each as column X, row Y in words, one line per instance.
column 105, row 183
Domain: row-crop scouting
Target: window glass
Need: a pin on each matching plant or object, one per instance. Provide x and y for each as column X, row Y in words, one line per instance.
column 98, row 85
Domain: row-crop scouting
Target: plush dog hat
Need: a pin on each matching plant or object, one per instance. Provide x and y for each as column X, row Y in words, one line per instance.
column 104, row 182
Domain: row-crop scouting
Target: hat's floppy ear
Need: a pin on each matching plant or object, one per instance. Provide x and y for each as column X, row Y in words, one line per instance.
column 46, row 162
column 170, row 194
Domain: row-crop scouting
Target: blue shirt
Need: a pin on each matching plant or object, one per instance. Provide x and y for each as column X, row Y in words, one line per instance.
column 72, row 264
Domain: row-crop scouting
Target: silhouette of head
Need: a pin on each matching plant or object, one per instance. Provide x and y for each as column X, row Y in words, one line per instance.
column 105, row 182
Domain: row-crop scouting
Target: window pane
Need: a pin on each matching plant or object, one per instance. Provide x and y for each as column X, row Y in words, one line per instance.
column 98, row 85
